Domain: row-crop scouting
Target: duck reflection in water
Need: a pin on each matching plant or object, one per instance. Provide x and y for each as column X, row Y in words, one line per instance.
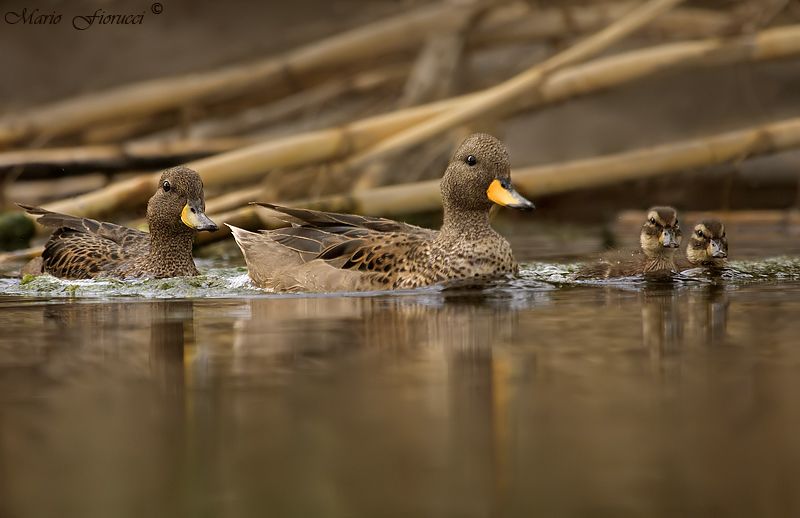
column 140, row 337
column 707, row 314
column 405, row 339
column 676, row 317
column 168, row 341
column 662, row 325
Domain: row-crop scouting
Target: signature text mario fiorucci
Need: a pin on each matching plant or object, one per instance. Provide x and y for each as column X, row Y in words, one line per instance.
column 80, row 22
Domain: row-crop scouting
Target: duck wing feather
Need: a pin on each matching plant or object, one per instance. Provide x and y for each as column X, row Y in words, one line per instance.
column 123, row 236
column 346, row 241
column 83, row 248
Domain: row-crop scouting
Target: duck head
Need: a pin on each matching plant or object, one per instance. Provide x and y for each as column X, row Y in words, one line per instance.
column 178, row 206
column 708, row 244
column 661, row 234
column 478, row 176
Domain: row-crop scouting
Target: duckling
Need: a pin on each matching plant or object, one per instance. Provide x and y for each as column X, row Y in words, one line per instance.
column 324, row 251
column 659, row 238
column 82, row 248
column 708, row 246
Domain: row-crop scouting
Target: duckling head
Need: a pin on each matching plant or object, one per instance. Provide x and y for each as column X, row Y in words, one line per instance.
column 708, row 244
column 479, row 175
column 661, row 234
column 178, row 205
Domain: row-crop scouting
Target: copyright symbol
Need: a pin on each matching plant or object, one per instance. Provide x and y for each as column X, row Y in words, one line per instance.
column 157, row 8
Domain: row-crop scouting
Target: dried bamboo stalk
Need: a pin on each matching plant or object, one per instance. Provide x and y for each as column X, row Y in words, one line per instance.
column 496, row 99
column 115, row 156
column 516, row 23
column 233, row 200
column 521, row 23
column 121, row 129
column 119, row 195
column 397, row 200
column 36, row 192
column 21, row 255
column 271, row 113
column 284, row 72
column 252, row 162
column 692, row 22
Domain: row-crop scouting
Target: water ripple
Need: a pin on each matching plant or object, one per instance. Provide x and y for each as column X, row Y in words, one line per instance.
column 534, row 280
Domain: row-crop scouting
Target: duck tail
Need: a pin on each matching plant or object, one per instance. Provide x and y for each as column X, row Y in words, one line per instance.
column 242, row 237
column 264, row 257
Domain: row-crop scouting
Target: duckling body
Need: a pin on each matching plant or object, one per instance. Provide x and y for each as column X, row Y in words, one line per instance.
column 83, row 248
column 626, row 263
column 659, row 238
column 708, row 246
column 325, row 251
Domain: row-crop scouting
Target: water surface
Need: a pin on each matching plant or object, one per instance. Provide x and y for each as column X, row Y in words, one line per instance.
column 536, row 397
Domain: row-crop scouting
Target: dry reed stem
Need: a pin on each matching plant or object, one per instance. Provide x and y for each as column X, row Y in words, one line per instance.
column 495, row 100
column 252, row 162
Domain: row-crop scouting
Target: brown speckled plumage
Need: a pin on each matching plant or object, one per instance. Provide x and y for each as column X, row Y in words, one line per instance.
column 659, row 238
column 82, row 248
column 324, row 251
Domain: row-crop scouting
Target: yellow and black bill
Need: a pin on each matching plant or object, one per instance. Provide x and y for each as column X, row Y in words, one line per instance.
column 503, row 193
column 193, row 216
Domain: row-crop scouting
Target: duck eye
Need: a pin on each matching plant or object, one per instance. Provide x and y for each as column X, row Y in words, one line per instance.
column 471, row 160
column 166, row 186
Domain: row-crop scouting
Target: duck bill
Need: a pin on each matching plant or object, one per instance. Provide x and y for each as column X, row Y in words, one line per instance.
column 669, row 239
column 716, row 250
column 194, row 217
column 503, row 193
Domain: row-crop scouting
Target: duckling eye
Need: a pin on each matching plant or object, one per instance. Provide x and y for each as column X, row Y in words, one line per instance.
column 652, row 221
column 699, row 233
column 471, row 160
column 166, row 186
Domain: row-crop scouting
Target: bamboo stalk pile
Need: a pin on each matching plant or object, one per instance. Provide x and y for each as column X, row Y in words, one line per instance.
column 323, row 125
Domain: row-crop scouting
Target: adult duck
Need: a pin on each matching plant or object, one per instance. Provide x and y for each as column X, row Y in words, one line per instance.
column 82, row 248
column 323, row 251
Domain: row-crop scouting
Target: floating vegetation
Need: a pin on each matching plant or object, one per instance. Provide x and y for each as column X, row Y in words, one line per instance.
column 233, row 282
column 772, row 269
column 217, row 283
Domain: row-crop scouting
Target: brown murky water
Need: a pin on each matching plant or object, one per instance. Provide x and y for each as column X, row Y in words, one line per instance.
column 640, row 400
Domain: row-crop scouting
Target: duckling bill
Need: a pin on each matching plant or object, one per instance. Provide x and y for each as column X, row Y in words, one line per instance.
column 82, row 248
column 324, row 251
column 659, row 237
